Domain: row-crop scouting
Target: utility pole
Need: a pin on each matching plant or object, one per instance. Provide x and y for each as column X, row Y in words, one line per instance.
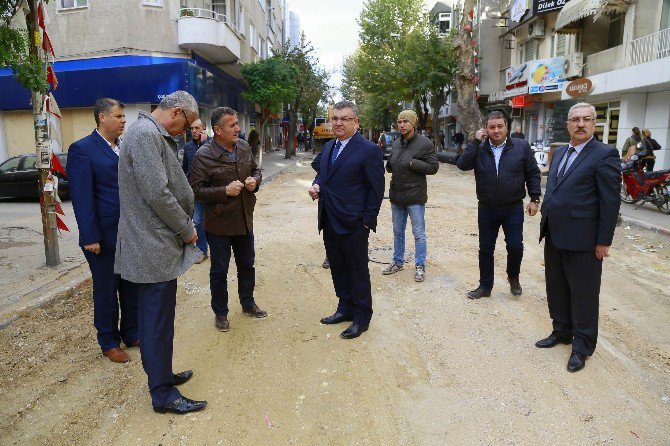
column 46, row 181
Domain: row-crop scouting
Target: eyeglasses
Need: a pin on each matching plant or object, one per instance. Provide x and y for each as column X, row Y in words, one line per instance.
column 188, row 124
column 586, row 119
column 343, row 119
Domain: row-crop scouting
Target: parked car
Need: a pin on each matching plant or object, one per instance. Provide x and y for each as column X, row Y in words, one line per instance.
column 18, row 177
column 385, row 141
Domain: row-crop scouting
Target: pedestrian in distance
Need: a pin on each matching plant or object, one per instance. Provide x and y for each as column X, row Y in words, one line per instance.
column 156, row 239
column 630, row 146
column 94, row 187
column 350, row 189
column 412, row 158
column 518, row 134
column 504, row 168
column 198, row 139
column 646, row 149
column 579, row 214
column 225, row 177
column 459, row 139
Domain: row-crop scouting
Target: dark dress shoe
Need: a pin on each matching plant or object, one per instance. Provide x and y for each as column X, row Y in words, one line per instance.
column 335, row 319
column 479, row 292
column 135, row 344
column 577, row 361
column 353, row 331
column 514, row 286
column 552, row 340
column 221, row 323
column 116, row 355
column 181, row 406
column 181, row 377
column 255, row 312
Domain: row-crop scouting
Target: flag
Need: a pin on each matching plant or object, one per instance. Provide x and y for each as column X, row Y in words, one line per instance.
column 59, row 208
column 61, row 224
column 51, row 77
column 56, row 166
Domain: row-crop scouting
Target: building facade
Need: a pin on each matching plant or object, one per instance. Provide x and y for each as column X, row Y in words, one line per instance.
column 137, row 51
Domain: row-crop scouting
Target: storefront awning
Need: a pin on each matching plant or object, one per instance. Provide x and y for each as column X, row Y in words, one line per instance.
column 576, row 10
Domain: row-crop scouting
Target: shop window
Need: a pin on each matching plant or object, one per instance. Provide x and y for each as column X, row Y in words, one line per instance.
column 615, row 30
column 71, row 4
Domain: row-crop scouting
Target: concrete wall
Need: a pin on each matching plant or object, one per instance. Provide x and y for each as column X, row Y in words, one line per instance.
column 3, row 139
column 19, row 132
column 647, row 110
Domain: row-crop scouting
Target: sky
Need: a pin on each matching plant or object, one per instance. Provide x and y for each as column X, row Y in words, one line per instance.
column 331, row 26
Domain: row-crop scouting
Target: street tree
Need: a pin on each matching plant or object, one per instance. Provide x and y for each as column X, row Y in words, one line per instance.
column 270, row 84
column 310, row 84
column 23, row 46
column 466, row 80
column 317, row 94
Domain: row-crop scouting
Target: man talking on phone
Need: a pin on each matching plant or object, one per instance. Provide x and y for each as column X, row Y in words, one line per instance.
column 504, row 168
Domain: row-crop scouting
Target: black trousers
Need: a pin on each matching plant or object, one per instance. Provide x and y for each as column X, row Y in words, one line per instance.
column 348, row 258
column 573, row 291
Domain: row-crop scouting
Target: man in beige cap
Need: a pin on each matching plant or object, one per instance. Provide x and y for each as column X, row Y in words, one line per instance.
column 412, row 158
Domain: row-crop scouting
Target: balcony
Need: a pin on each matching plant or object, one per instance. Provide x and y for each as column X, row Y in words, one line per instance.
column 608, row 60
column 651, row 47
column 210, row 34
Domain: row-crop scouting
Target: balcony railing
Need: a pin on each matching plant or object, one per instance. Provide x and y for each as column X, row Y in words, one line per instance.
column 209, row 14
column 651, row 47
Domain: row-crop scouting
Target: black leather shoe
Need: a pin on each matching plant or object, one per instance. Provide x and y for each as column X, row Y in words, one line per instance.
column 552, row 340
column 577, row 361
column 180, row 378
column 353, row 331
column 335, row 319
column 479, row 292
column 181, row 406
column 514, row 286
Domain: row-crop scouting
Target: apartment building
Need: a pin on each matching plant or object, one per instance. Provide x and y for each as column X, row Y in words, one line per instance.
column 137, row 51
column 613, row 54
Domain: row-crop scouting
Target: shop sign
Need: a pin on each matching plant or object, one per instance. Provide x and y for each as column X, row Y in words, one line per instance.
column 516, row 92
column 519, row 101
column 516, row 76
column 579, row 87
column 545, row 75
column 517, row 9
column 542, row 6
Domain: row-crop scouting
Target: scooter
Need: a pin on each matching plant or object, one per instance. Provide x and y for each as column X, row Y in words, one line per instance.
column 642, row 187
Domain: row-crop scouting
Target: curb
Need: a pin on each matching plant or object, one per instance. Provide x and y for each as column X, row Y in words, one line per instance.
column 644, row 225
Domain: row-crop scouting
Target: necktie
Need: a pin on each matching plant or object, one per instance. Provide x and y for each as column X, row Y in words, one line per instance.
column 336, row 151
column 571, row 150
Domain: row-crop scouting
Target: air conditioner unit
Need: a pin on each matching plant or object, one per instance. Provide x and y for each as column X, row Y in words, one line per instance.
column 536, row 29
column 573, row 65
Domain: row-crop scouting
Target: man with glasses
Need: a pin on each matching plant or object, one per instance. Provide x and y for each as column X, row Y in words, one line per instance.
column 156, row 239
column 350, row 187
column 225, row 177
column 198, row 139
column 579, row 214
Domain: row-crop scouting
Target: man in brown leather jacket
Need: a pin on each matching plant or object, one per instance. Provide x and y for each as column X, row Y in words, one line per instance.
column 224, row 176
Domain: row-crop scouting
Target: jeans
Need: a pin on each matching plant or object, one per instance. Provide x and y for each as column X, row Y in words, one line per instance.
column 489, row 221
column 243, row 249
column 417, row 214
column 198, row 210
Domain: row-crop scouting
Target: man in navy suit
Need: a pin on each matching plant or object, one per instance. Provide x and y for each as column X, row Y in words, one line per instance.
column 350, row 189
column 94, row 188
column 579, row 214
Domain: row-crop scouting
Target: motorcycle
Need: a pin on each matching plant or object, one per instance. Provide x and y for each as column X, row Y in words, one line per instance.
column 642, row 187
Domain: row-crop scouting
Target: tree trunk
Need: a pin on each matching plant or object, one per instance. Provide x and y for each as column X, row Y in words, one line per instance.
column 293, row 123
column 468, row 108
column 437, row 100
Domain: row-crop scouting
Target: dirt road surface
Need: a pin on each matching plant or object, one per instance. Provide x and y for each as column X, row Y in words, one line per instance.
column 435, row 368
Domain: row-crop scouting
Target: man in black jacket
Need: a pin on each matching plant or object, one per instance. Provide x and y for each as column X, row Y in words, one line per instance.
column 412, row 158
column 504, row 168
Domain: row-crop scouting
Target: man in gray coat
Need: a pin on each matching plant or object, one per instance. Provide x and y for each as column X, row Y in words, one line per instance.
column 156, row 238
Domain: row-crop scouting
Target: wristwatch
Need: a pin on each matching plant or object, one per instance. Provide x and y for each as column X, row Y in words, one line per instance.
column 535, row 200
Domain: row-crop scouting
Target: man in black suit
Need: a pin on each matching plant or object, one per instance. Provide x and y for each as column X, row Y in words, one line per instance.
column 350, row 188
column 579, row 214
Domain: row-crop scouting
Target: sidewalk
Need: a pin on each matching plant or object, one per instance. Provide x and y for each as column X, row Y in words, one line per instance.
column 28, row 283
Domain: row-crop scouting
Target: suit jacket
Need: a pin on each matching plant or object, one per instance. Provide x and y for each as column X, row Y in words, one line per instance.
column 94, row 187
column 351, row 189
column 581, row 210
column 156, row 207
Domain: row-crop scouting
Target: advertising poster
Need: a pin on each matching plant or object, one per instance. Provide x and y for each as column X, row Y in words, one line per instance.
column 545, row 75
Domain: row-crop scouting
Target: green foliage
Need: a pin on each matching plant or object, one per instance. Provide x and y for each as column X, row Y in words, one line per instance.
column 17, row 49
column 270, row 83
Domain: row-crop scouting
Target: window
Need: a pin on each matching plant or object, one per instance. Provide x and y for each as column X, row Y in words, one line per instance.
column 665, row 15
column 444, row 22
column 219, row 7
column 253, row 35
column 10, row 165
column 560, row 45
column 152, row 2
column 615, row 30
column 528, row 51
column 71, row 4
column 263, row 47
column 262, row 3
column 241, row 23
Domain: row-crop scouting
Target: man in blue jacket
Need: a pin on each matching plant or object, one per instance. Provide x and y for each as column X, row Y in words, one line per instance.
column 504, row 168
column 198, row 139
column 350, row 189
column 94, row 187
